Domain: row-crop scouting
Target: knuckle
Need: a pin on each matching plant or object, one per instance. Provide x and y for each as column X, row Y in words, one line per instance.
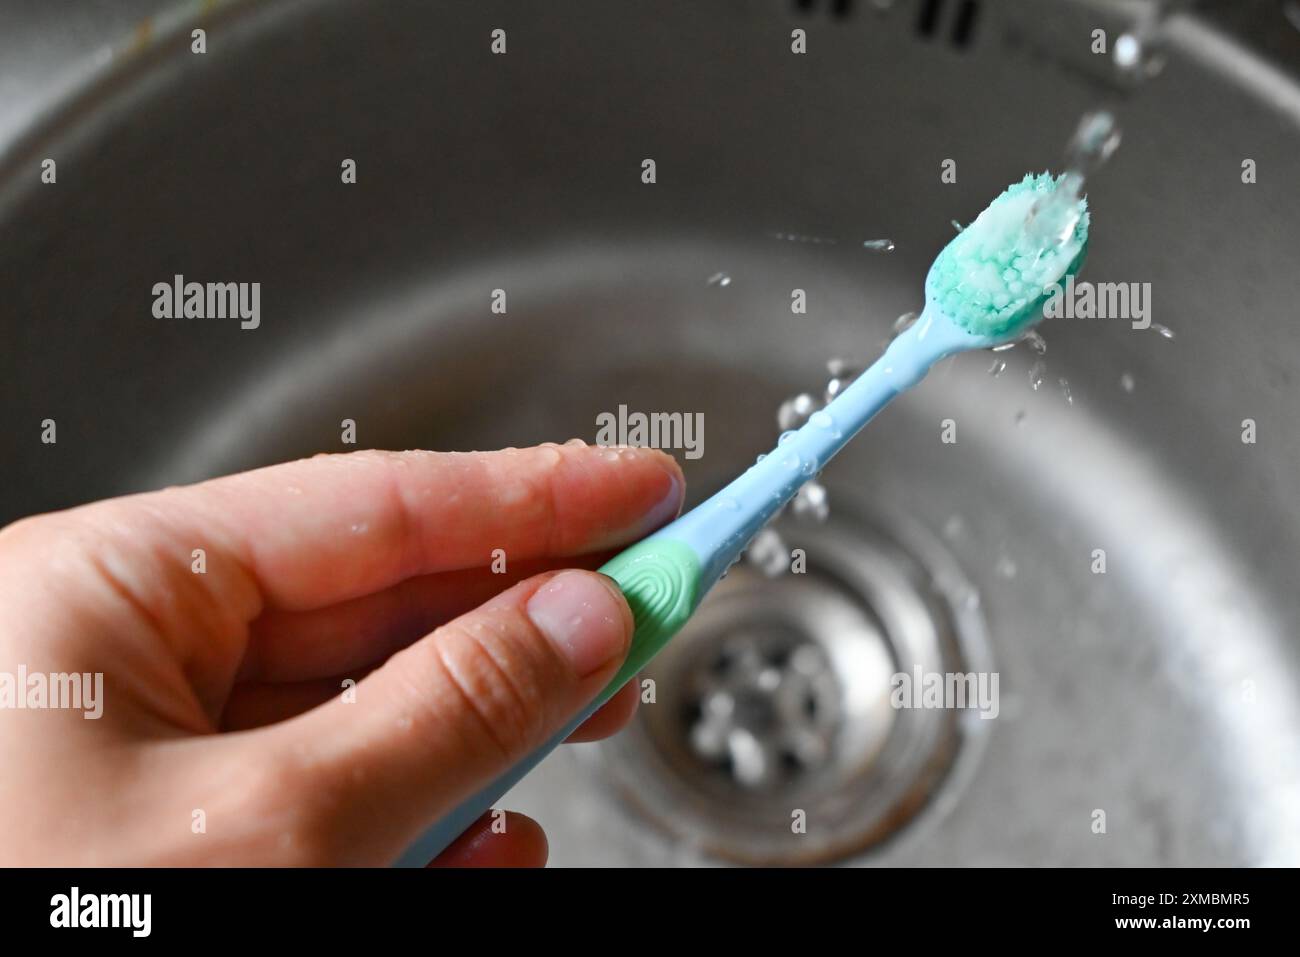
column 497, row 682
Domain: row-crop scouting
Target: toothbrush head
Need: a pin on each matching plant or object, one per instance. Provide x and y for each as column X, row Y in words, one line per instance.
column 993, row 279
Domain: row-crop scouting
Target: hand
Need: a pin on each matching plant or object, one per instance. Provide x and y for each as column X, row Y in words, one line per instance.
column 224, row 699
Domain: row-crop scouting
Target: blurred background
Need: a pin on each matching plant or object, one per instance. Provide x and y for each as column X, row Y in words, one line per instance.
column 1163, row 691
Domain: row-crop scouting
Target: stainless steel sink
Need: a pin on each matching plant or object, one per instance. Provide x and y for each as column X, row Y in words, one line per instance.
column 1164, row 692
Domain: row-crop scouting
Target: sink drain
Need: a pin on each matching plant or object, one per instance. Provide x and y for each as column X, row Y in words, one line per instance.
column 767, row 709
column 772, row 739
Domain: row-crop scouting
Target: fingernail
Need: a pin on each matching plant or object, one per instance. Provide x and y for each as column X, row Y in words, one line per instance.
column 581, row 616
column 666, row 509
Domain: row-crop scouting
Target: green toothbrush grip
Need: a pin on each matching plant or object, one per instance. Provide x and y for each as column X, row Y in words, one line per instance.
column 660, row 578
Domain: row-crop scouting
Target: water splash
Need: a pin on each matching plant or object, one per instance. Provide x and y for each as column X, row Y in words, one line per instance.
column 871, row 245
column 801, row 238
column 900, row 325
column 1139, row 52
column 812, row 501
column 842, row 373
column 795, row 412
column 1094, row 141
column 768, row 553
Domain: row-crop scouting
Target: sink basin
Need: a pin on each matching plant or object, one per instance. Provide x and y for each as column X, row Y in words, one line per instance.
column 1162, row 692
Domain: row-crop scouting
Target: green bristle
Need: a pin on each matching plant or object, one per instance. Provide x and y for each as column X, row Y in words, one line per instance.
column 994, row 277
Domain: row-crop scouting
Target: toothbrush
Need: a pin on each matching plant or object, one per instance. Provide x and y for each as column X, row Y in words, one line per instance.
column 987, row 287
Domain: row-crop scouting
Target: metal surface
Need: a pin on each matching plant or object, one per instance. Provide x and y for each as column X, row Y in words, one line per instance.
column 775, row 701
column 1165, row 692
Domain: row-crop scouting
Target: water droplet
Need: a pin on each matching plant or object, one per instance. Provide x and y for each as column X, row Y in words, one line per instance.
column 790, row 460
column 1036, row 373
column 728, row 505
column 801, row 238
column 823, row 420
column 1137, row 55
column 811, row 501
column 1094, row 142
column 957, row 226
column 1128, row 51
column 1164, row 331
column 1126, row 382
column 760, row 458
column 842, row 374
column 719, row 279
column 786, row 437
column 795, row 412
column 999, row 366
column 904, row 322
column 768, row 552
column 1034, row 339
column 1065, row 391
column 879, row 245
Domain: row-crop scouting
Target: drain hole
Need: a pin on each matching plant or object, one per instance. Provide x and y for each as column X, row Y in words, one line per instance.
column 764, row 709
column 929, row 17
column 961, row 33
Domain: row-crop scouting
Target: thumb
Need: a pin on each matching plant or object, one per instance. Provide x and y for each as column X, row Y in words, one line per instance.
column 442, row 718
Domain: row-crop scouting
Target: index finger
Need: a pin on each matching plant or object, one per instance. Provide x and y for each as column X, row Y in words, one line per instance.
column 335, row 527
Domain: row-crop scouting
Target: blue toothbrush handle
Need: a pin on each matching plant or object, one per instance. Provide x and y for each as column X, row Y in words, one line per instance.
column 720, row 528
column 665, row 576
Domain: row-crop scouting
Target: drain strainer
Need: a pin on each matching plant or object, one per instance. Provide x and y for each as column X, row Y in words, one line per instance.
column 772, row 739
